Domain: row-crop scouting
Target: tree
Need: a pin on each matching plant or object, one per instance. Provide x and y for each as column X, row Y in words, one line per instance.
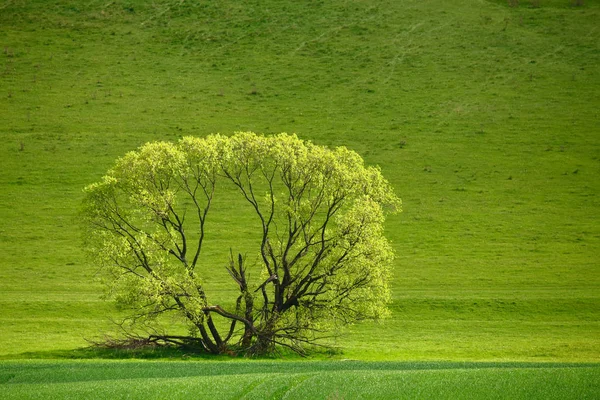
column 321, row 257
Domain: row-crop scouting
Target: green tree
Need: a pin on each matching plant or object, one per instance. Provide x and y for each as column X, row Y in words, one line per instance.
column 322, row 259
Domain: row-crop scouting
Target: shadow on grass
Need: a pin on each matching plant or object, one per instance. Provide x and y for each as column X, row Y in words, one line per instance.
column 158, row 353
column 115, row 354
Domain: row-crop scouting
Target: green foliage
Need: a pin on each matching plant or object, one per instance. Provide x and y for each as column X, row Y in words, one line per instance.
column 320, row 217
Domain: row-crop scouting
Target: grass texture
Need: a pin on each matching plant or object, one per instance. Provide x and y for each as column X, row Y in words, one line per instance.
column 296, row 380
column 483, row 116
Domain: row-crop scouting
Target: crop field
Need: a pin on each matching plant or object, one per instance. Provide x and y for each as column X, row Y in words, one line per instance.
column 295, row 380
column 483, row 114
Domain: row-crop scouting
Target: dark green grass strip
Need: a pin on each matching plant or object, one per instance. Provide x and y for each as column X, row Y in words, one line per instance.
column 297, row 380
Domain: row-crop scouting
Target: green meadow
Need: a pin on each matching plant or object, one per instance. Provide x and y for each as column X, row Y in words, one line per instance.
column 295, row 380
column 483, row 116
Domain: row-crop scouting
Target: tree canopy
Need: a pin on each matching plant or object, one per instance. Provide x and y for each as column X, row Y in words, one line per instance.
column 321, row 255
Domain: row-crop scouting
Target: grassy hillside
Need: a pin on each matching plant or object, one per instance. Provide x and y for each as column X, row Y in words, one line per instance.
column 483, row 116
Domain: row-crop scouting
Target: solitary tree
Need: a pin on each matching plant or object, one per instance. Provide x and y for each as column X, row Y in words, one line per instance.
column 321, row 257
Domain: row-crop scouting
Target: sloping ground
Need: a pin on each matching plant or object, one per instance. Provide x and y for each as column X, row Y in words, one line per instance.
column 483, row 116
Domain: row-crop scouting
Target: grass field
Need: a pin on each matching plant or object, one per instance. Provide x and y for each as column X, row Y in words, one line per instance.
column 296, row 380
column 483, row 116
